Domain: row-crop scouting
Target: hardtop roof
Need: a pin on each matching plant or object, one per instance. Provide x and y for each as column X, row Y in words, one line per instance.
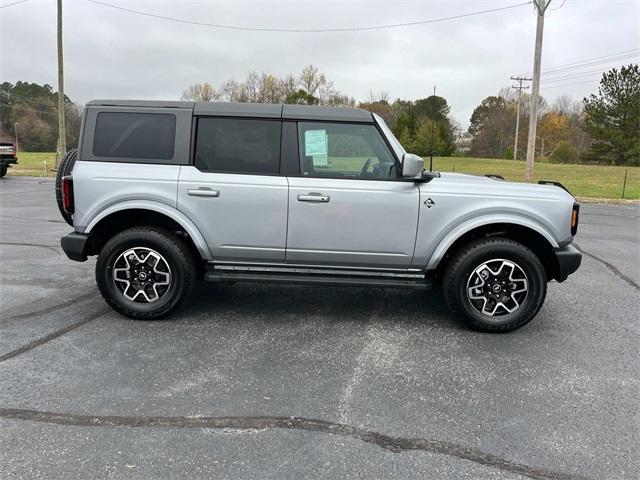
column 263, row 110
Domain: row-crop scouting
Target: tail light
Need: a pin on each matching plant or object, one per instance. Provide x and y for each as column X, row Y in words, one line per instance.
column 575, row 214
column 67, row 194
column 15, row 151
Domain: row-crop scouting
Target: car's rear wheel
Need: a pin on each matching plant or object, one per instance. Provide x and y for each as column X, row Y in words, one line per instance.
column 65, row 168
column 145, row 272
column 3, row 170
column 494, row 285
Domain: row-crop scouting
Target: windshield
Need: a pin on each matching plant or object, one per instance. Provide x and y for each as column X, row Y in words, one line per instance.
column 395, row 144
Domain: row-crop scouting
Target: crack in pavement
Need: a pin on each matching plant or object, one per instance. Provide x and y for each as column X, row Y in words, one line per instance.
column 48, row 247
column 34, row 219
column 610, row 266
column 22, row 191
column 52, row 336
column 52, row 308
column 389, row 443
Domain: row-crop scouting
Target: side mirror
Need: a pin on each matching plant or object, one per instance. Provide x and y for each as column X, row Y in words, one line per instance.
column 412, row 165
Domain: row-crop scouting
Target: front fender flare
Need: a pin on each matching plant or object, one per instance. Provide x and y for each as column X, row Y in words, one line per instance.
column 171, row 212
column 456, row 232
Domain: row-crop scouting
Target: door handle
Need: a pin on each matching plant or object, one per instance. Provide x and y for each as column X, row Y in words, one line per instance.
column 314, row 197
column 203, row 192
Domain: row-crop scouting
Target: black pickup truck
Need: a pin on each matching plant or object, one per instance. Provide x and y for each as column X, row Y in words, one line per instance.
column 8, row 157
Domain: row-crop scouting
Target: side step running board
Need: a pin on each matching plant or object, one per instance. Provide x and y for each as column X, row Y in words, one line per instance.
column 315, row 279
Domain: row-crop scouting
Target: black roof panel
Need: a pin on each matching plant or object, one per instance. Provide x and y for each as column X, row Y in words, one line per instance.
column 141, row 103
column 339, row 114
column 263, row 110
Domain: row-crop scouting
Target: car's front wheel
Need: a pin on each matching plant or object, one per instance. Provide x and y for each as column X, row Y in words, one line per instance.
column 145, row 272
column 494, row 285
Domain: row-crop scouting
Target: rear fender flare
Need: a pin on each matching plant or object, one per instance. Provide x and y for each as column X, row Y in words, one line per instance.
column 174, row 214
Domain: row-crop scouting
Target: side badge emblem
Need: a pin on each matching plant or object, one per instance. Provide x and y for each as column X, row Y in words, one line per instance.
column 429, row 202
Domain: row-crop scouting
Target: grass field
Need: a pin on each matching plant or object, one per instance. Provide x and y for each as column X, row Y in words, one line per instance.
column 587, row 181
column 32, row 164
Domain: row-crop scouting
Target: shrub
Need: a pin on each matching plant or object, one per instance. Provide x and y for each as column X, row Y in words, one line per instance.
column 565, row 152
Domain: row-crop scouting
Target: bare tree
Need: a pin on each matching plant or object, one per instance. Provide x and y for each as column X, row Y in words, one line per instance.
column 200, row 92
column 311, row 79
column 253, row 87
column 381, row 96
column 312, row 86
column 289, row 85
column 270, row 89
column 337, row 100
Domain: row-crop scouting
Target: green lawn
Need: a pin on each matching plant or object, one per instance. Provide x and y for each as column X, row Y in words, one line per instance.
column 587, row 181
column 32, row 163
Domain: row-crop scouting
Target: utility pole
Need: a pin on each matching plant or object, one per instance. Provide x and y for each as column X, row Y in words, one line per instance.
column 432, row 122
column 518, row 87
column 541, row 7
column 62, row 139
column 15, row 129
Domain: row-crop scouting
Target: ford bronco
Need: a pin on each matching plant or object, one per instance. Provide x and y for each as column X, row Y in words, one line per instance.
column 165, row 193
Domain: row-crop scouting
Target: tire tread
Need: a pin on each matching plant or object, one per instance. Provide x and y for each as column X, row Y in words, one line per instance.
column 180, row 249
column 452, row 269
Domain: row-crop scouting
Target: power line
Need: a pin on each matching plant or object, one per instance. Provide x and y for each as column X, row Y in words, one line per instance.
column 300, row 30
column 12, row 4
column 577, row 65
column 595, row 60
column 558, row 8
column 39, row 100
column 45, row 112
column 570, row 84
column 580, row 74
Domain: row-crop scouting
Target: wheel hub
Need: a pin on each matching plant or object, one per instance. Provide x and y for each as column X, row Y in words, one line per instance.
column 497, row 287
column 142, row 275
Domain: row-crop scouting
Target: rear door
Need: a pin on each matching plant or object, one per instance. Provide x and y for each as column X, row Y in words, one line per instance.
column 234, row 192
column 347, row 206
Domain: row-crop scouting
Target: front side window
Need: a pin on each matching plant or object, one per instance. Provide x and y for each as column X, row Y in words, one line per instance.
column 134, row 135
column 344, row 150
column 230, row 145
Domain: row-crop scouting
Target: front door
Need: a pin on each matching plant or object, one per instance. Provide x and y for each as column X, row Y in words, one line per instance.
column 234, row 193
column 348, row 207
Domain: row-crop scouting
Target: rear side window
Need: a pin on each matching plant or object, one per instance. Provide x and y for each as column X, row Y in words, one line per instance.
column 230, row 145
column 135, row 135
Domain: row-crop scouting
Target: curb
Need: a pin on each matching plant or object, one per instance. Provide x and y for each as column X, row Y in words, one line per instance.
column 608, row 201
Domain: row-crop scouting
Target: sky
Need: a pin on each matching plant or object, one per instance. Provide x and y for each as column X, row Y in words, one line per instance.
column 111, row 53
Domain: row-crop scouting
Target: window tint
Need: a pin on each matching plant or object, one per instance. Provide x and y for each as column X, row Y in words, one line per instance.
column 134, row 135
column 344, row 150
column 238, row 145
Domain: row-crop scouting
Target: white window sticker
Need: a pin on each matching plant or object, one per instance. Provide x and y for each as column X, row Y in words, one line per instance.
column 315, row 145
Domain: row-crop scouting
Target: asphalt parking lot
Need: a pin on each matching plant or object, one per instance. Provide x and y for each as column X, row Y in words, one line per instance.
column 252, row 381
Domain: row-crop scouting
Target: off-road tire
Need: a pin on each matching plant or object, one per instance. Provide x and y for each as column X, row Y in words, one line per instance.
column 468, row 258
column 174, row 250
column 3, row 171
column 64, row 169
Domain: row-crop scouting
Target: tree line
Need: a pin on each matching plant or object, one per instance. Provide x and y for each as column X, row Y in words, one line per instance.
column 32, row 110
column 603, row 128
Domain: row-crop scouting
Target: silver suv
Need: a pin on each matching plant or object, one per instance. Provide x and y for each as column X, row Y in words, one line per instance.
column 166, row 193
